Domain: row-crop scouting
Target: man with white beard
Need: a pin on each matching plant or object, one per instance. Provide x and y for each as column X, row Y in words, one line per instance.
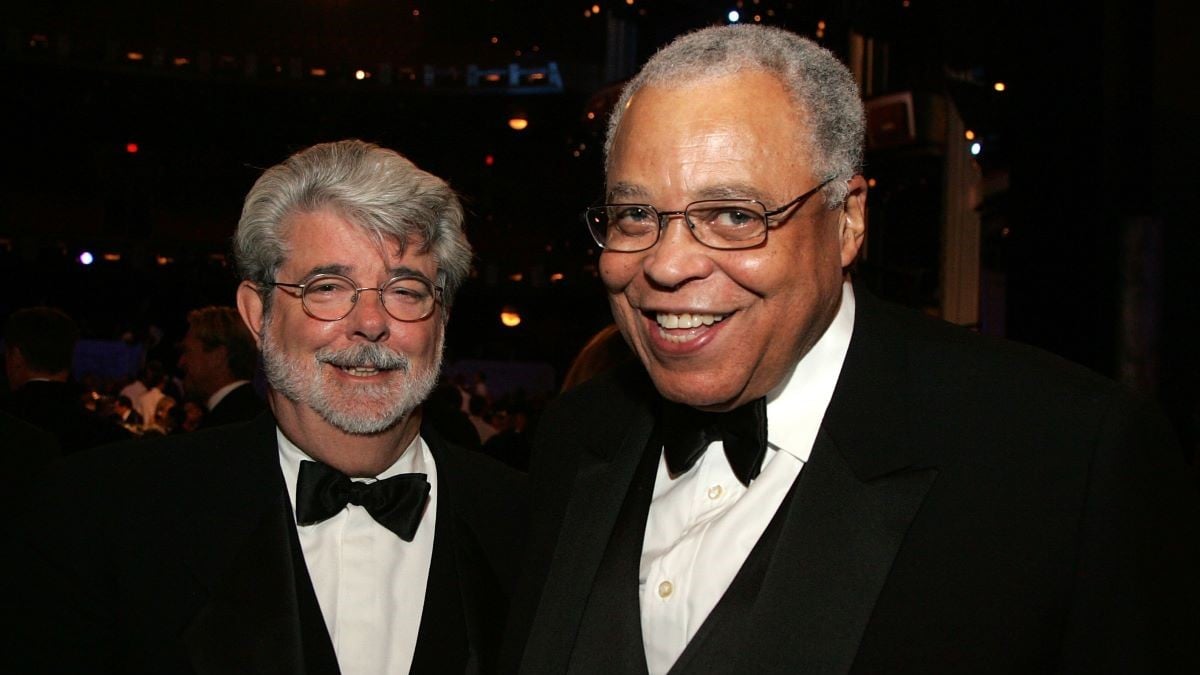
column 335, row 534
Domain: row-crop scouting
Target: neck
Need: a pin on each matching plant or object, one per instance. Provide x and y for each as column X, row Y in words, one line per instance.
column 356, row 455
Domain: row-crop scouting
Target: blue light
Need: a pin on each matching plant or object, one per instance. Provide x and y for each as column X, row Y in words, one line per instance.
column 976, row 148
column 734, row 16
column 86, row 258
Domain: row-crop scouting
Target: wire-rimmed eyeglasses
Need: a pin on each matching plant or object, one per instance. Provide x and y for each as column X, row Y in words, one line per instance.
column 726, row 224
column 330, row 297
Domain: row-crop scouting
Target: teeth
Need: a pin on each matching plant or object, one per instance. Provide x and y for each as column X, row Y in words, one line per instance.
column 687, row 320
column 359, row 371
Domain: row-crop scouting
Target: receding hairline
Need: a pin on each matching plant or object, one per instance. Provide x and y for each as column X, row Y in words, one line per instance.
column 803, row 140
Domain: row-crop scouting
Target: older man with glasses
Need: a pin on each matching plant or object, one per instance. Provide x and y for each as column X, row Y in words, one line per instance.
column 798, row 478
column 334, row 533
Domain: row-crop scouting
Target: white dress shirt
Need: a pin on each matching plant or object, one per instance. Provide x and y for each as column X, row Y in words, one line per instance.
column 370, row 583
column 147, row 405
column 702, row 524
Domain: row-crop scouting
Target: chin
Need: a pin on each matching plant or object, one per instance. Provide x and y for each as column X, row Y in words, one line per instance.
column 700, row 394
column 357, row 424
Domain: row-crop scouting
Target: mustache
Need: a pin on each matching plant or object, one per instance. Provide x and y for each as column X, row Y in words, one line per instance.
column 365, row 356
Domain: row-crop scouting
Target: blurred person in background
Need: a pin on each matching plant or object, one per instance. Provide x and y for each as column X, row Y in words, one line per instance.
column 39, row 343
column 217, row 358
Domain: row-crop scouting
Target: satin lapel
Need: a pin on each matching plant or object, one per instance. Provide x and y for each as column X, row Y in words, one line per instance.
column 856, row 497
column 447, row 640
column 606, row 469
column 251, row 623
column 241, row 553
column 831, row 562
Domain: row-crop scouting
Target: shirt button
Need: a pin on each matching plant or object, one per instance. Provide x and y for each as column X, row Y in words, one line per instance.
column 665, row 589
column 715, row 492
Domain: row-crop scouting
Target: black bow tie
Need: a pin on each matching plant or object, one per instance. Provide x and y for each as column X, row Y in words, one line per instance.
column 687, row 433
column 397, row 503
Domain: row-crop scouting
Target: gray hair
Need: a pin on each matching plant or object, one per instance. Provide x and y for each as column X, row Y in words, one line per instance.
column 372, row 187
column 823, row 89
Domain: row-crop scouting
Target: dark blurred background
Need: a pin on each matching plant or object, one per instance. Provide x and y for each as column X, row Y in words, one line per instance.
column 1031, row 163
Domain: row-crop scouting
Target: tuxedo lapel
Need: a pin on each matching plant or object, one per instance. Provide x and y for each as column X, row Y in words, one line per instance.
column 259, row 613
column 251, row 622
column 609, row 639
column 442, row 639
column 830, row 565
column 855, row 499
column 608, row 462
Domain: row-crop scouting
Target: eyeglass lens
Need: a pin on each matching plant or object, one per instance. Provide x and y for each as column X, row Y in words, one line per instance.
column 719, row 224
column 332, row 297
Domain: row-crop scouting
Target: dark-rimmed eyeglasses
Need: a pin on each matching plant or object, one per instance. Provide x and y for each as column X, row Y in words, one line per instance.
column 330, row 297
column 726, row 224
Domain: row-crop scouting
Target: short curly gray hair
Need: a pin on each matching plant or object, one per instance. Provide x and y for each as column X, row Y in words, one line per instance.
column 823, row 89
column 373, row 187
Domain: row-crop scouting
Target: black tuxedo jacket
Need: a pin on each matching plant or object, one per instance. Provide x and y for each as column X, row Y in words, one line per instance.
column 57, row 407
column 969, row 506
column 26, row 452
column 180, row 555
column 241, row 404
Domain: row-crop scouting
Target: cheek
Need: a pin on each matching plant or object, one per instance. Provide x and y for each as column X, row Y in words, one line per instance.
column 617, row 271
column 760, row 274
column 424, row 342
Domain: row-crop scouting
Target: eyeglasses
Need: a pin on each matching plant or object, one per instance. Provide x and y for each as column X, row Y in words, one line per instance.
column 330, row 297
column 726, row 224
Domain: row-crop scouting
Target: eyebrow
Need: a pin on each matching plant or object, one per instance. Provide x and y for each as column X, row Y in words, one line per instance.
column 327, row 269
column 620, row 191
column 345, row 271
column 406, row 271
column 734, row 191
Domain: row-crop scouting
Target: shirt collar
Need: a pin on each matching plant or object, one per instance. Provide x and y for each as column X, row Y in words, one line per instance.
column 796, row 406
column 412, row 460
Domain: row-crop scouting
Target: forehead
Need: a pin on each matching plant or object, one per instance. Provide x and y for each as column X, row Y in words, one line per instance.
column 326, row 241
column 743, row 117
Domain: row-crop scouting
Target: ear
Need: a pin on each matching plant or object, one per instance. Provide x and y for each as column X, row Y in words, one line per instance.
column 854, row 220
column 250, row 306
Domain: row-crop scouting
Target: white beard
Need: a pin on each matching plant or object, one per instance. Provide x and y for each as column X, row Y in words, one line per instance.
column 361, row 409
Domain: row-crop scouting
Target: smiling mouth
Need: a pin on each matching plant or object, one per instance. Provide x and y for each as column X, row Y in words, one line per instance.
column 364, row 360
column 361, row 371
column 684, row 322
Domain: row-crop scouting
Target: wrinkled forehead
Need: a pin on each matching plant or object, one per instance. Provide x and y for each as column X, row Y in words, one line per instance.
column 326, row 241
column 726, row 131
column 742, row 102
column 303, row 232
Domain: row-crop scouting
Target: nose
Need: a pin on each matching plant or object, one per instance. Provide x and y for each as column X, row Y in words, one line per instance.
column 678, row 256
column 368, row 320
